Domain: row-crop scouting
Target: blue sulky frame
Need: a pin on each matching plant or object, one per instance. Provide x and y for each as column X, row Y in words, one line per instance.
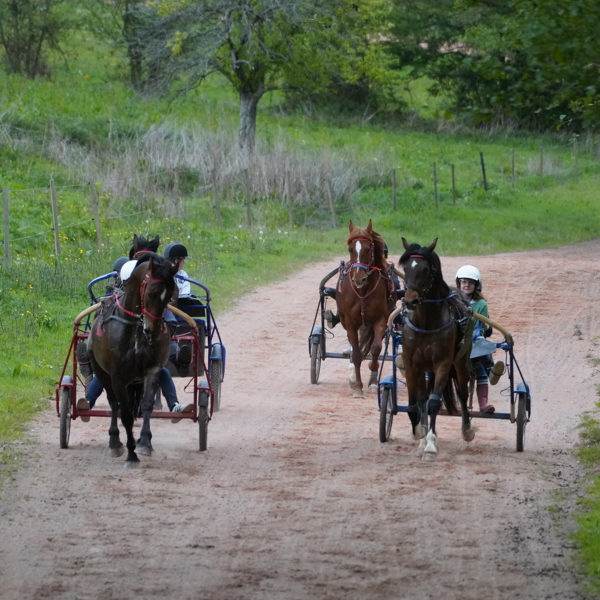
column 390, row 384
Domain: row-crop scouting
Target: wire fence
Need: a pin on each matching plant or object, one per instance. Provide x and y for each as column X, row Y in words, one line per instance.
column 40, row 212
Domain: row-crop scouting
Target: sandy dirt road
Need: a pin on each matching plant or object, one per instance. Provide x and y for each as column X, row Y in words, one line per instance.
column 296, row 497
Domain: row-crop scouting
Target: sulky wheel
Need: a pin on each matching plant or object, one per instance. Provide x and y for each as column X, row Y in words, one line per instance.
column 215, row 375
column 66, row 410
column 521, row 421
column 386, row 414
column 315, row 361
column 203, row 427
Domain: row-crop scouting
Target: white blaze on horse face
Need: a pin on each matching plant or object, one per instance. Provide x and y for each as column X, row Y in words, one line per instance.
column 358, row 248
column 414, row 264
column 163, row 295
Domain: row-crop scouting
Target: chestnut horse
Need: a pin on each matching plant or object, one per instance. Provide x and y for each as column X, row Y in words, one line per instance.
column 365, row 297
column 129, row 344
column 434, row 346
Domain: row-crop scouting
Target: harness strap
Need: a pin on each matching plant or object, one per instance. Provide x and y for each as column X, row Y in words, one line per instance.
column 419, row 330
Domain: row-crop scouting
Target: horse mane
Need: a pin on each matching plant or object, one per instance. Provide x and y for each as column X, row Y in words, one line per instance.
column 434, row 262
column 146, row 246
column 369, row 233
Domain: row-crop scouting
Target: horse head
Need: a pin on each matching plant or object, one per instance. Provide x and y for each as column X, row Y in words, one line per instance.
column 422, row 272
column 141, row 247
column 365, row 247
column 154, row 285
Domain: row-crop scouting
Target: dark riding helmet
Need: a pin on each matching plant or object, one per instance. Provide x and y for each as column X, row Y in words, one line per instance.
column 175, row 250
column 119, row 263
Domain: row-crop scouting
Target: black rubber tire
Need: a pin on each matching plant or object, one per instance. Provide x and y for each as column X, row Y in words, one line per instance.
column 215, row 374
column 315, row 362
column 66, row 411
column 521, row 421
column 203, row 427
column 386, row 414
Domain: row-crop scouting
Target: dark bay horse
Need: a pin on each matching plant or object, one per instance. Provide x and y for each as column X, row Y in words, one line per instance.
column 365, row 297
column 435, row 348
column 129, row 344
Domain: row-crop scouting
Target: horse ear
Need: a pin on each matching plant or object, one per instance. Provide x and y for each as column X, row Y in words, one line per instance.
column 370, row 227
column 350, row 226
column 154, row 244
column 405, row 243
column 432, row 245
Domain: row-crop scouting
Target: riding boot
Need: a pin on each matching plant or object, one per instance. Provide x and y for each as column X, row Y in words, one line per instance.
column 331, row 319
column 83, row 359
column 482, row 398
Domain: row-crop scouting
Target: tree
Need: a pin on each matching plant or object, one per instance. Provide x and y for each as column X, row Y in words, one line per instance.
column 260, row 46
column 28, row 28
column 526, row 61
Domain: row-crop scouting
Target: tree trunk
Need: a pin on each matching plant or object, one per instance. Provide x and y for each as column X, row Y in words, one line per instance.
column 247, row 122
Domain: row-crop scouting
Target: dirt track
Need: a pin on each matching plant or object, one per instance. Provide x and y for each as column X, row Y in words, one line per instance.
column 297, row 498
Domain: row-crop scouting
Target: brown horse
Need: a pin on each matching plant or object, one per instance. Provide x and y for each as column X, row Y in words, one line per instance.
column 434, row 346
column 129, row 344
column 365, row 297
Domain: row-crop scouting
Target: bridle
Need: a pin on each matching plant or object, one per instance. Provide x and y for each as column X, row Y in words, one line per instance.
column 422, row 299
column 367, row 267
column 144, row 310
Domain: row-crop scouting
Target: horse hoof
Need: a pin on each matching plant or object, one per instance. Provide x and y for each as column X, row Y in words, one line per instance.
column 372, row 388
column 430, row 452
column 358, row 394
column 116, row 452
column 469, row 434
column 132, row 464
column 145, row 450
column 420, row 431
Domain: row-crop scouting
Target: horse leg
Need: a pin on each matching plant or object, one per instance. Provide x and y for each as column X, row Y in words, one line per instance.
column 114, row 442
column 416, row 392
column 376, row 345
column 147, row 404
column 463, row 374
column 127, row 417
column 433, row 405
column 357, row 384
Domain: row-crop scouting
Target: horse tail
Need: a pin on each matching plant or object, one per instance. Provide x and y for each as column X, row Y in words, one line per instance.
column 449, row 396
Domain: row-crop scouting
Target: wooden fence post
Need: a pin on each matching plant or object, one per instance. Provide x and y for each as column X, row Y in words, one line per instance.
column 435, row 188
column 6, row 227
column 96, row 214
column 54, row 215
column 512, row 167
column 576, row 159
column 485, row 185
column 331, row 204
column 393, row 173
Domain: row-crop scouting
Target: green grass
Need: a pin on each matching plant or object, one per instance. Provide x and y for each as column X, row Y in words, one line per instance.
column 587, row 537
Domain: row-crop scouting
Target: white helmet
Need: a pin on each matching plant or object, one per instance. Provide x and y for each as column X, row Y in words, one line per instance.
column 469, row 272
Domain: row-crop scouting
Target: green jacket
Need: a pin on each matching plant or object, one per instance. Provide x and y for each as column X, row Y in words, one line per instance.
column 479, row 306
